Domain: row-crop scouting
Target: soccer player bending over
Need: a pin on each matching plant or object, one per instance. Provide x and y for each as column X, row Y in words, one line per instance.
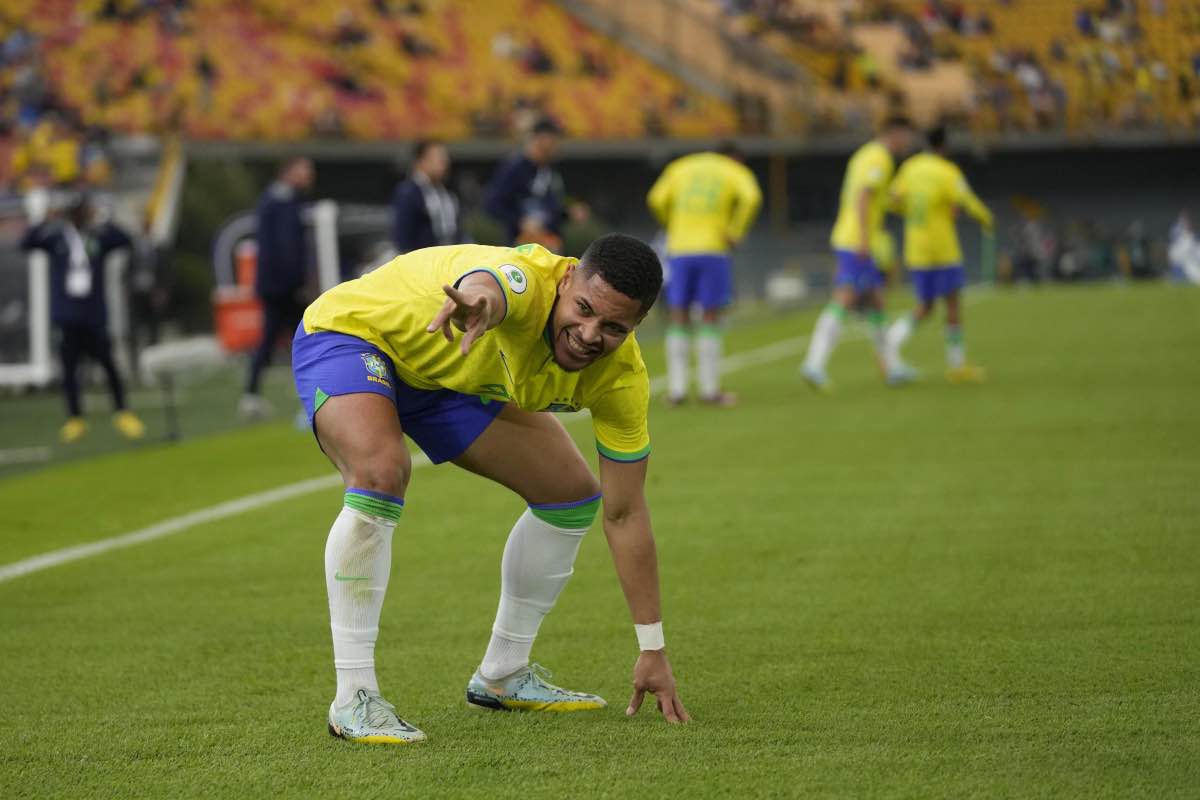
column 928, row 191
column 378, row 358
column 859, row 240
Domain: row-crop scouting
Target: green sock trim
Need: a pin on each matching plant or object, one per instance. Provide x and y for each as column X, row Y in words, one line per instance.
column 710, row 330
column 572, row 516
column 875, row 317
column 677, row 330
column 374, row 504
column 954, row 335
column 837, row 310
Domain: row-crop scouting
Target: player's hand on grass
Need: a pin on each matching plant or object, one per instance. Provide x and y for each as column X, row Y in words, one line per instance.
column 652, row 673
column 467, row 309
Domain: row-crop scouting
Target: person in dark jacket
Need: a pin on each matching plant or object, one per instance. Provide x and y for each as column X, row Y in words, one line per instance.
column 281, row 270
column 77, row 250
column 424, row 212
column 526, row 194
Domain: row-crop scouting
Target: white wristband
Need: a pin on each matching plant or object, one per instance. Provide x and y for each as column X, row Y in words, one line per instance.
column 650, row 637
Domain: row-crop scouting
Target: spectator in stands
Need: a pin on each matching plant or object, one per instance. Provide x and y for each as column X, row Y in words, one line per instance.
column 1085, row 23
column 424, row 212
column 536, row 58
column 526, row 194
column 77, row 249
column 349, row 33
column 281, row 271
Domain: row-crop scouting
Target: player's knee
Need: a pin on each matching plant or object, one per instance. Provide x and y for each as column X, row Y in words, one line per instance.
column 386, row 472
column 576, row 515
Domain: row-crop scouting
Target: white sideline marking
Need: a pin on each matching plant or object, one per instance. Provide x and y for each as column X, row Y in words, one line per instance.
column 733, row 363
column 24, row 455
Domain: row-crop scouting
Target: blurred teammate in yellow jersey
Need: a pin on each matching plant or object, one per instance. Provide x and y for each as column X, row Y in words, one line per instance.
column 861, row 245
column 707, row 202
column 928, row 191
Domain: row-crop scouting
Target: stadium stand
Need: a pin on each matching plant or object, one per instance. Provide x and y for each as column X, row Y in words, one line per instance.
column 1002, row 65
column 364, row 69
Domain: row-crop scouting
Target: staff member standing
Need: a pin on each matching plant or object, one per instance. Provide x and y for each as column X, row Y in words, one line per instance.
column 280, row 275
column 77, row 250
column 424, row 212
column 526, row 194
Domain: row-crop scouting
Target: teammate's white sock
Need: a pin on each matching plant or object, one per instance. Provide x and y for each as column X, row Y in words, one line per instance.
column 825, row 336
column 708, row 361
column 897, row 334
column 677, row 361
column 358, row 561
column 538, row 560
column 956, row 348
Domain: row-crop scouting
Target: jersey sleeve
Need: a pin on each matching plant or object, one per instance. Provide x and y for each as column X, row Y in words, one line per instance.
column 515, row 280
column 748, row 201
column 970, row 201
column 661, row 194
column 619, row 420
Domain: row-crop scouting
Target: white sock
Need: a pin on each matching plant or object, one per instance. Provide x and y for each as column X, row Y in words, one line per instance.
column 358, row 561
column 825, row 336
column 897, row 334
column 956, row 348
column 677, row 361
column 708, row 361
column 538, row 560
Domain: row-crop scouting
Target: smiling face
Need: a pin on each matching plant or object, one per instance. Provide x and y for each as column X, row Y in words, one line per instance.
column 590, row 319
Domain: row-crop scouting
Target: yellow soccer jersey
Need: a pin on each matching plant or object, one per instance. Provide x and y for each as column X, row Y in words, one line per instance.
column 928, row 191
column 392, row 306
column 706, row 201
column 870, row 167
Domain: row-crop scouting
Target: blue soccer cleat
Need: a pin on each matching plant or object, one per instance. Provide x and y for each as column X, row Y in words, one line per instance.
column 528, row 690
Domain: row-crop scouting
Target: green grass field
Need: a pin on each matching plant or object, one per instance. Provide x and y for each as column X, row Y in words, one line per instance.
column 938, row 591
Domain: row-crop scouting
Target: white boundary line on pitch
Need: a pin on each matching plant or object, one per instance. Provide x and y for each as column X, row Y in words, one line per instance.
column 775, row 351
column 251, row 502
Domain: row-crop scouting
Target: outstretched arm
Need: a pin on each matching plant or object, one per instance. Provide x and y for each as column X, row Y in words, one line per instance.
column 476, row 306
column 974, row 206
column 631, row 541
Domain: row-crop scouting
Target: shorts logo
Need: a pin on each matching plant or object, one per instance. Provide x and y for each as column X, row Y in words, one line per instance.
column 515, row 277
column 377, row 369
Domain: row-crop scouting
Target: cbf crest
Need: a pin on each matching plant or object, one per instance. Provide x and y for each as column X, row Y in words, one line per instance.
column 377, row 369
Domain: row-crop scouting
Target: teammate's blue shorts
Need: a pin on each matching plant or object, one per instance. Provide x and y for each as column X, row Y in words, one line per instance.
column 930, row 284
column 442, row 422
column 700, row 278
column 858, row 272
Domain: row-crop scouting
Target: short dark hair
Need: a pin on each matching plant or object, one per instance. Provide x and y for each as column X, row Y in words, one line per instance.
column 423, row 146
column 627, row 264
column 730, row 148
column 546, row 125
column 936, row 137
column 893, row 121
column 286, row 164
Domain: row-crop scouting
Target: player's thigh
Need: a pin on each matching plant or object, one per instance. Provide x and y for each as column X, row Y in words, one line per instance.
column 532, row 454
column 361, row 435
